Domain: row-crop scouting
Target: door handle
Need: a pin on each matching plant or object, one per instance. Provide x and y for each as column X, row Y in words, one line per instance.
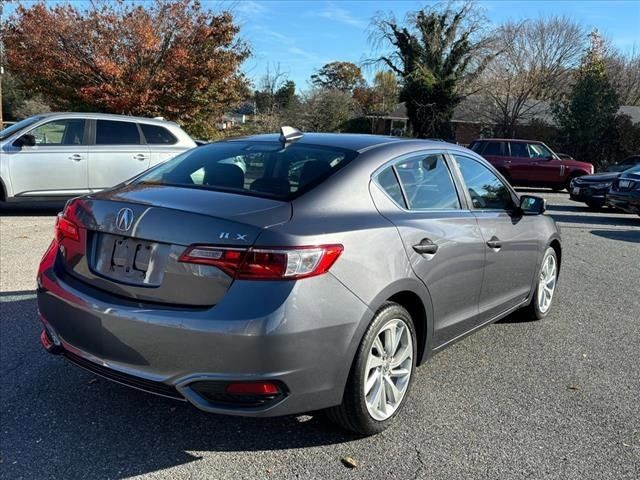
column 140, row 156
column 426, row 246
column 75, row 157
column 494, row 243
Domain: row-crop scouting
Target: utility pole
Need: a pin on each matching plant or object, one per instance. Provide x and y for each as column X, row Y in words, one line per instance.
column 1, row 67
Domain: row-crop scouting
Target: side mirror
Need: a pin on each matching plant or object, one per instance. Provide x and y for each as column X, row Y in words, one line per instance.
column 532, row 205
column 26, row 140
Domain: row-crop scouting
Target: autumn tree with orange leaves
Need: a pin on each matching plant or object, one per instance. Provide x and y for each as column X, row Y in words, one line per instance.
column 173, row 58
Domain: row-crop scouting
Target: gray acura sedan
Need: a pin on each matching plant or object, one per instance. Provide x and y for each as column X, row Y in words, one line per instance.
column 280, row 274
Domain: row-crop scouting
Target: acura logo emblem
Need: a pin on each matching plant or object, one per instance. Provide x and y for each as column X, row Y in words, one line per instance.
column 124, row 219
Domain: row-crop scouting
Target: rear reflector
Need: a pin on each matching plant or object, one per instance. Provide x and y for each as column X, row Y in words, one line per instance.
column 266, row 263
column 253, row 388
column 65, row 228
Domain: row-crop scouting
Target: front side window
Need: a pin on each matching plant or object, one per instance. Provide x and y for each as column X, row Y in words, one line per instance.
column 109, row 132
column 427, row 183
column 59, row 132
column 16, row 127
column 156, row 135
column 537, row 150
column 253, row 168
column 486, row 190
column 519, row 149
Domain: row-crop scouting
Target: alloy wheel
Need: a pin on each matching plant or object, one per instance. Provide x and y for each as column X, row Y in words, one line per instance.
column 547, row 283
column 388, row 369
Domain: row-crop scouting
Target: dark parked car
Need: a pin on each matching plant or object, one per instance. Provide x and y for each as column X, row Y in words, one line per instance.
column 592, row 189
column 625, row 191
column 317, row 277
column 530, row 163
column 625, row 164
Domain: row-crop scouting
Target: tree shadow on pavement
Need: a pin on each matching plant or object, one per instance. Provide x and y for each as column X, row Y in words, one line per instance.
column 623, row 236
column 59, row 421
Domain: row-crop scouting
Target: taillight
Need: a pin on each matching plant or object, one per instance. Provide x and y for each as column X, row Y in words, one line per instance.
column 265, row 263
column 65, row 228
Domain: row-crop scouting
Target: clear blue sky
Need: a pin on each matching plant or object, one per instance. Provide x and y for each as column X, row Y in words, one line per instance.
column 304, row 35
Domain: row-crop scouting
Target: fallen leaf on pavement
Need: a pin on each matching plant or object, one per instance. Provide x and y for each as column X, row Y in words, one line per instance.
column 574, row 386
column 349, row 462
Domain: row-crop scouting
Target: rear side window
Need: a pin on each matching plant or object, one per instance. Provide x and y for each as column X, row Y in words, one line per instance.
column 252, row 168
column 156, row 135
column 110, row 132
column 493, row 148
column 476, row 146
column 427, row 183
column 389, row 183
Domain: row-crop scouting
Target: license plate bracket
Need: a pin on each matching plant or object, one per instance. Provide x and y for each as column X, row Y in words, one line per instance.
column 129, row 260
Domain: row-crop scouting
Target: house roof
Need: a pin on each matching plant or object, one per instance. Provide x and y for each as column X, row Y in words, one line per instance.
column 472, row 108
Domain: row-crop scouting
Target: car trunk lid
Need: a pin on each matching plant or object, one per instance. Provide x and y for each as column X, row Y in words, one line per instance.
column 132, row 239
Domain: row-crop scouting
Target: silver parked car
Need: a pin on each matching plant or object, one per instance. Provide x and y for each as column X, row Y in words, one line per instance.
column 55, row 155
column 316, row 277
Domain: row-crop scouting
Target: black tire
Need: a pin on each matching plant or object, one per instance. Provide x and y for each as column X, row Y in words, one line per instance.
column 532, row 311
column 596, row 206
column 352, row 413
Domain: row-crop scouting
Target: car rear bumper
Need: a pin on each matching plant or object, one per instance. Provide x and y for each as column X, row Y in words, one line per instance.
column 627, row 201
column 302, row 335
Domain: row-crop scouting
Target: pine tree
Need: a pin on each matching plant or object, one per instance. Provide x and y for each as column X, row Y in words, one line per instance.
column 587, row 117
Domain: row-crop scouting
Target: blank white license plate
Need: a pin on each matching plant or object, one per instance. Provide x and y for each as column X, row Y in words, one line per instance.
column 576, row 190
column 625, row 183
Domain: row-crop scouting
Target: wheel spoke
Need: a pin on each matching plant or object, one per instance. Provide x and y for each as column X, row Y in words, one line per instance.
column 389, row 339
column 377, row 344
column 374, row 361
column 371, row 381
column 402, row 355
column 377, row 392
column 395, row 393
column 399, row 372
column 400, row 331
column 382, row 403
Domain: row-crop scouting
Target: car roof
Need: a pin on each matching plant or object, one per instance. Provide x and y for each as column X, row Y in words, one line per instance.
column 518, row 140
column 107, row 116
column 349, row 141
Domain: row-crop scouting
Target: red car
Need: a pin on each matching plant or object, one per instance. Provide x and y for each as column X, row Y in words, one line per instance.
column 530, row 163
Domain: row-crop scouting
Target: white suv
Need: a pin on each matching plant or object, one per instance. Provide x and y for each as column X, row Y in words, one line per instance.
column 56, row 155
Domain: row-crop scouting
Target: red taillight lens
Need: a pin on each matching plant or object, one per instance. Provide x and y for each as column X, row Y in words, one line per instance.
column 266, row 263
column 65, row 228
column 253, row 388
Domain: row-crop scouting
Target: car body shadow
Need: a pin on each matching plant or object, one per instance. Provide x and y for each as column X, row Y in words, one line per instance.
column 60, row 421
column 44, row 209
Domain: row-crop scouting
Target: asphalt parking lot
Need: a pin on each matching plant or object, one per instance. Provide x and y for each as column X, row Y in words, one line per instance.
column 558, row 398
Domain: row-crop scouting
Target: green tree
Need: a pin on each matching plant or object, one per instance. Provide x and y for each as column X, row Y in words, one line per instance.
column 385, row 86
column 438, row 55
column 326, row 110
column 587, row 117
column 343, row 76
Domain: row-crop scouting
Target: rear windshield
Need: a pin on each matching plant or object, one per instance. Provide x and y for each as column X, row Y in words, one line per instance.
column 264, row 169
